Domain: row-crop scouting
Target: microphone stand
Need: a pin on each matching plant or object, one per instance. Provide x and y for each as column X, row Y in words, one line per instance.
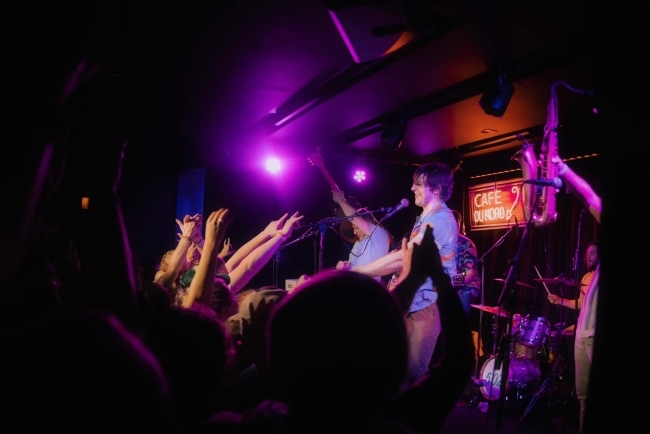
column 322, row 227
column 576, row 270
column 276, row 256
column 481, row 262
column 507, row 291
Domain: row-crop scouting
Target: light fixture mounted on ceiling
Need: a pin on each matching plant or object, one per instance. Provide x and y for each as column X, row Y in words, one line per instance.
column 393, row 134
column 496, row 98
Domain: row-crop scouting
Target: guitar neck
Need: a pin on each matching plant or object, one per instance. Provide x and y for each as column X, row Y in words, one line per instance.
column 329, row 178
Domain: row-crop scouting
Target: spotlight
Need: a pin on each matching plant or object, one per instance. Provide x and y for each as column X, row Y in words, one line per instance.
column 393, row 134
column 273, row 165
column 360, row 175
column 494, row 102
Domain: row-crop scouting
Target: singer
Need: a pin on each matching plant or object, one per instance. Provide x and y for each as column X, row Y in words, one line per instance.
column 432, row 187
column 373, row 241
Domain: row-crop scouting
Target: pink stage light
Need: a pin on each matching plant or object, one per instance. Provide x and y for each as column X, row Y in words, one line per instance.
column 360, row 175
column 273, row 165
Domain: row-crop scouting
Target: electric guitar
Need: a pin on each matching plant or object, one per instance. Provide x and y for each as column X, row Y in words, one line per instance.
column 345, row 226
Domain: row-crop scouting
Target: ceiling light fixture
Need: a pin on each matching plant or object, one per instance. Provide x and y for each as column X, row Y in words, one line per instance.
column 393, row 134
column 495, row 100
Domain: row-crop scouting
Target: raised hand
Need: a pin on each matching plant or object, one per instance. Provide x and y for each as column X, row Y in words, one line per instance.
column 290, row 225
column 275, row 226
column 216, row 225
column 187, row 227
column 193, row 253
column 227, row 250
column 416, row 261
column 338, row 196
column 419, row 262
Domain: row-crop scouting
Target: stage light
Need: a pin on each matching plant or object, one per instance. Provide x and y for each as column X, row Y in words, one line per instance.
column 393, row 134
column 273, row 165
column 494, row 101
column 360, row 176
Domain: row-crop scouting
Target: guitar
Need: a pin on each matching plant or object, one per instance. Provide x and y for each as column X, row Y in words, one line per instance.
column 345, row 226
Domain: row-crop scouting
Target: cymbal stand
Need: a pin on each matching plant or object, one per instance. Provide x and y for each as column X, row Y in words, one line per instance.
column 506, row 297
column 576, row 270
column 481, row 262
column 547, row 387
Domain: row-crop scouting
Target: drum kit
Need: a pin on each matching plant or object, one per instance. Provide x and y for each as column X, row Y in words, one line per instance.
column 534, row 344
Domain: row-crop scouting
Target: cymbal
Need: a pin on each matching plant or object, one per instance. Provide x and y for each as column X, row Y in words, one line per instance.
column 518, row 283
column 557, row 281
column 569, row 331
column 493, row 310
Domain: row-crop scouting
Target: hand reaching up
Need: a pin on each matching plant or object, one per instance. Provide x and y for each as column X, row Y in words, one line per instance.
column 419, row 262
column 196, row 236
column 423, row 260
column 227, row 250
column 290, row 225
column 187, row 227
column 216, row 225
column 275, row 226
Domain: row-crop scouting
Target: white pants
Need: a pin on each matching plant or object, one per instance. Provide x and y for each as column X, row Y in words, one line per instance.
column 583, row 352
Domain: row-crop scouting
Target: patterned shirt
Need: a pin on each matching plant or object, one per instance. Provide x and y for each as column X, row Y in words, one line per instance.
column 467, row 258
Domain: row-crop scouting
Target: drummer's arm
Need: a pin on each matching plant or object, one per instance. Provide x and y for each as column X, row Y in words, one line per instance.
column 570, row 302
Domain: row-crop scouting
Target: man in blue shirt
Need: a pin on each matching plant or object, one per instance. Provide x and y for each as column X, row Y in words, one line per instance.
column 432, row 187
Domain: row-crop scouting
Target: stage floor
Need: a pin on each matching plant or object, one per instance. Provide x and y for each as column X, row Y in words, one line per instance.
column 549, row 414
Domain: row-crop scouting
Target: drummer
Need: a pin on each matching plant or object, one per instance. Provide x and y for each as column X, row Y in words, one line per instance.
column 591, row 261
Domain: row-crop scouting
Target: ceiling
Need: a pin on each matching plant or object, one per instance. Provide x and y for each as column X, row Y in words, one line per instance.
column 206, row 83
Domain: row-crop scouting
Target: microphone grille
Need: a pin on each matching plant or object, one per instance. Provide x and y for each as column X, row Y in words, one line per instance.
column 405, row 202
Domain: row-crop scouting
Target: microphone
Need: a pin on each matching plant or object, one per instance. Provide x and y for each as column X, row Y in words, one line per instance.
column 555, row 182
column 516, row 227
column 402, row 204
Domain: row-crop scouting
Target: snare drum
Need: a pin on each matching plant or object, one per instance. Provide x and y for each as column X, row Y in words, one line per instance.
column 533, row 331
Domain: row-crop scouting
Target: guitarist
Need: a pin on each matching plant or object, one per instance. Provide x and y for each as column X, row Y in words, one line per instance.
column 373, row 241
column 432, row 187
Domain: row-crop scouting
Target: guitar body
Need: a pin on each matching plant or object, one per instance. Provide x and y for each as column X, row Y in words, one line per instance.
column 345, row 226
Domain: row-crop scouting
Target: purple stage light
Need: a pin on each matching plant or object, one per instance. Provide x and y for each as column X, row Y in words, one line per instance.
column 273, row 165
column 360, row 175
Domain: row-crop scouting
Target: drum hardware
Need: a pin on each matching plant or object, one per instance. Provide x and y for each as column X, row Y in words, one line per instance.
column 569, row 331
column 518, row 283
column 555, row 379
column 494, row 310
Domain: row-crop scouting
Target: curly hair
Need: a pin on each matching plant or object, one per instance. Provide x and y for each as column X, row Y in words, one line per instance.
column 436, row 176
